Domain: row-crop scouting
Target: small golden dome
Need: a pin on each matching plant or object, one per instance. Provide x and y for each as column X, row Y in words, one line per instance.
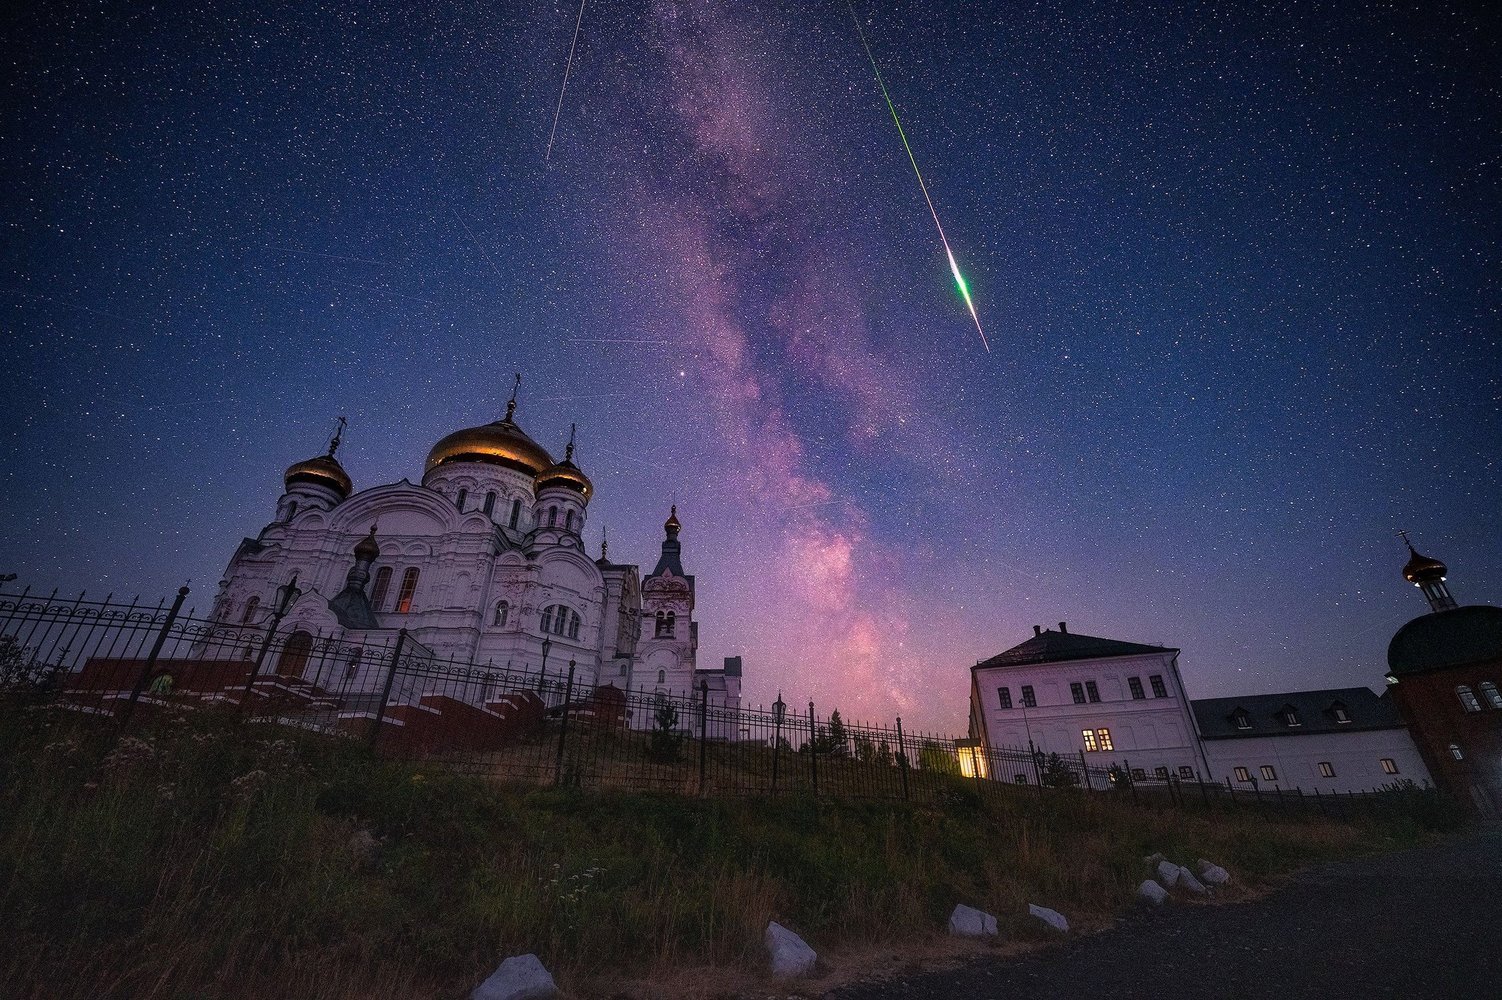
column 672, row 524
column 1421, row 569
column 500, row 443
column 324, row 470
column 566, row 474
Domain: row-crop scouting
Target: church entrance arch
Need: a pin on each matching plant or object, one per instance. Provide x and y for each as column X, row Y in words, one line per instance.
column 294, row 658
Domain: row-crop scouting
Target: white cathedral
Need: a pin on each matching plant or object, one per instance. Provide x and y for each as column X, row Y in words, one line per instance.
column 483, row 562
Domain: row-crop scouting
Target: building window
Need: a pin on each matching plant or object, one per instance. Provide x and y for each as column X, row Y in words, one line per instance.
column 1291, row 717
column 250, row 610
column 1161, row 772
column 1490, row 693
column 552, row 517
column 1186, row 772
column 1029, row 700
column 669, row 623
column 1268, row 774
column 1454, row 752
column 459, row 500
column 662, row 677
column 1091, row 691
column 560, row 620
column 409, row 588
column 1138, row 774
column 1390, row 766
column 516, row 513
column 568, row 521
column 623, row 668
column 1078, row 691
column 1005, row 696
column 1135, row 684
column 1326, row 769
column 1089, row 735
column 1243, row 721
column 1467, row 698
column 1104, row 735
column 1020, row 778
column 489, row 503
column 382, row 585
column 1341, row 715
column 1159, row 691
column 1242, row 774
column 502, row 612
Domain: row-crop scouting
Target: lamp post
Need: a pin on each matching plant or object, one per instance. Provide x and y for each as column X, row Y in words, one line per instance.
column 779, row 712
column 286, row 595
column 542, row 674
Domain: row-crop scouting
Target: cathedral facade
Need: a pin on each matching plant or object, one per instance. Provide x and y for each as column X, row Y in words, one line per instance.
column 482, row 562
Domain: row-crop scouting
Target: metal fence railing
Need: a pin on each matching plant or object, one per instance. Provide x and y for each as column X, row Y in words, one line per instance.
column 127, row 660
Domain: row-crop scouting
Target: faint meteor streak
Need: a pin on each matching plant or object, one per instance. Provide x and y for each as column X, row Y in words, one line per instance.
column 564, row 89
column 954, row 267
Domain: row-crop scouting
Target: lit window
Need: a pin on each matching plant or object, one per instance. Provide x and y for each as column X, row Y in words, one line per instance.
column 1138, row 774
column 502, row 612
column 1326, row 769
column 1242, row 774
column 1268, row 774
column 1091, row 691
column 489, row 503
column 1186, row 772
column 1341, row 715
column 409, row 587
column 1291, row 717
column 1005, row 696
column 382, row 585
column 516, row 513
column 1454, row 752
column 1029, row 700
column 1159, row 691
column 459, row 500
column 1390, row 766
column 1078, row 691
column 1089, row 735
column 1135, row 683
column 1243, row 721
column 1467, row 698
column 1104, row 735
column 1491, row 694
column 1161, row 772
column 250, row 610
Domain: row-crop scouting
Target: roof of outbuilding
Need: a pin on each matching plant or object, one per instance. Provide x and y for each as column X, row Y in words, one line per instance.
column 1049, row 646
column 1453, row 638
column 1366, row 710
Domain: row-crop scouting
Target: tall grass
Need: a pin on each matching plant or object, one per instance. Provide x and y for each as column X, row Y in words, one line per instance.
column 200, row 857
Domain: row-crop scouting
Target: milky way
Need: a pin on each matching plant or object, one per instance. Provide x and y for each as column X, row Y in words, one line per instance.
column 1247, row 260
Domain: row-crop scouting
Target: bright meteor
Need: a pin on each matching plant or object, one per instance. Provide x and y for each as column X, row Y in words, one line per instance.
column 954, row 267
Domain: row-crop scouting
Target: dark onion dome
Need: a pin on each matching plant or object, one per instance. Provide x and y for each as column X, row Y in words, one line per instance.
column 324, row 470
column 1422, row 569
column 500, row 443
column 366, row 549
column 1453, row 638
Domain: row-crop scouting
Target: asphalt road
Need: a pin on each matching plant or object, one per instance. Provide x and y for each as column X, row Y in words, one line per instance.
column 1417, row 925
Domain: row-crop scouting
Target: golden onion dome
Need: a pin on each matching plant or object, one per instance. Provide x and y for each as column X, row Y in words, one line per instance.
column 672, row 524
column 567, row 475
column 1421, row 569
column 324, row 470
column 500, row 443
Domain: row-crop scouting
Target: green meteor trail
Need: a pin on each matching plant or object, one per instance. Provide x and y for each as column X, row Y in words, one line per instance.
column 954, row 267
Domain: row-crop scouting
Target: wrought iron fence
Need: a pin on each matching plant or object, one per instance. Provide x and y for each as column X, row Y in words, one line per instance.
column 127, row 660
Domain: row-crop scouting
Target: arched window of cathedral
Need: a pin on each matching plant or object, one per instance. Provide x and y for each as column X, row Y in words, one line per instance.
column 250, row 610
column 409, row 587
column 552, row 517
column 662, row 676
column 672, row 621
column 382, row 585
column 463, row 496
column 573, row 625
column 516, row 512
column 502, row 612
column 1467, row 698
column 291, row 509
column 352, row 665
column 489, row 502
column 1490, row 693
column 657, row 628
column 568, row 521
column 547, row 618
column 294, row 658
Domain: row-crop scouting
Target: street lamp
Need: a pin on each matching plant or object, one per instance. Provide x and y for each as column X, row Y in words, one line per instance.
column 542, row 674
column 779, row 712
column 286, row 595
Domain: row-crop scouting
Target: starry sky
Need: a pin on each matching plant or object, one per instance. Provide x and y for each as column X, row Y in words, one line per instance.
column 1240, row 266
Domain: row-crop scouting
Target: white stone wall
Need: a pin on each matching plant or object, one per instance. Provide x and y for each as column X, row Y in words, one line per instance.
column 1355, row 756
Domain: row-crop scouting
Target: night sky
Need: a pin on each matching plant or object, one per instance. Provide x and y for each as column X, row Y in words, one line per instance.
column 1241, row 271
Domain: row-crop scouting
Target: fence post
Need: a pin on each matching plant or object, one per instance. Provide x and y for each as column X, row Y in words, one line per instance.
column 1126, row 764
column 1232, row 789
column 156, row 651
column 703, row 731
column 902, row 757
column 813, row 748
column 568, row 696
column 1204, row 792
column 1085, row 770
column 380, row 716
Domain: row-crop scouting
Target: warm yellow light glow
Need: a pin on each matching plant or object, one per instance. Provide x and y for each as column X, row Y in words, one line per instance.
column 972, row 758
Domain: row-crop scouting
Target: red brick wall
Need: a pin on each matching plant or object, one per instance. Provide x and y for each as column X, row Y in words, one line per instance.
column 1436, row 719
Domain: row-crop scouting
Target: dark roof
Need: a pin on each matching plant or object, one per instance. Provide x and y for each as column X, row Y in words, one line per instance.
column 1453, row 638
column 733, row 666
column 1049, row 646
column 1366, row 710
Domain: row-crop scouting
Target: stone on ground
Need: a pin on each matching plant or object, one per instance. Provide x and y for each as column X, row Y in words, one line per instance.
column 521, row 977
column 1188, row 882
column 1153, row 860
column 1168, row 873
column 1152, row 892
column 1052, row 918
column 1213, row 874
column 967, row 921
column 791, row 955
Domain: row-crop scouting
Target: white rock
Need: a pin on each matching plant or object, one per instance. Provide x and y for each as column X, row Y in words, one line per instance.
column 791, row 955
column 967, row 921
column 1152, row 892
column 1213, row 874
column 1168, row 873
column 1052, row 918
column 1189, row 882
column 521, row 977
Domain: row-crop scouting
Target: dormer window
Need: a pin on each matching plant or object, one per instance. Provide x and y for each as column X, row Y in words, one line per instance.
column 1339, row 712
column 1242, row 720
column 1290, row 717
